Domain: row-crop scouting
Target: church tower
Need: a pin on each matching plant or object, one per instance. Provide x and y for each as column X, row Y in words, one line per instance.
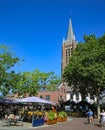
column 68, row 46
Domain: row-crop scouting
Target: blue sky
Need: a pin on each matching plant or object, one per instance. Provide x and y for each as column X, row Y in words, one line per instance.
column 35, row 28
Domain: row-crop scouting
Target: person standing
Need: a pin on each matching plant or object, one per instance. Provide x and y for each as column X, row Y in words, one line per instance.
column 102, row 118
column 90, row 116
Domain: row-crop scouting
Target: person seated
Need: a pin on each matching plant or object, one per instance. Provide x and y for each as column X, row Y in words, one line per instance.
column 11, row 116
column 5, row 116
column 46, row 116
column 53, row 109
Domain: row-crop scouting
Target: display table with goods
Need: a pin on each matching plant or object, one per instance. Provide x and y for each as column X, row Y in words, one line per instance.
column 37, row 118
column 37, row 122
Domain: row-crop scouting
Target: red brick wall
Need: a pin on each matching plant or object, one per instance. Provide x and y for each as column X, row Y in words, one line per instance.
column 55, row 95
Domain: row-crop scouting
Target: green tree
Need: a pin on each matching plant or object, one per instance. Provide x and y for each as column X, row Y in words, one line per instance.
column 42, row 80
column 49, row 80
column 24, row 82
column 86, row 69
column 17, row 82
column 7, row 61
column 32, row 82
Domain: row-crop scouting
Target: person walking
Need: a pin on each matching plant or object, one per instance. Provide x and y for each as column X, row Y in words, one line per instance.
column 90, row 116
column 102, row 118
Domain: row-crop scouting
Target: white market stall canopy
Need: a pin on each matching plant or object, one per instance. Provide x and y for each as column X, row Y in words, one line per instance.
column 35, row 100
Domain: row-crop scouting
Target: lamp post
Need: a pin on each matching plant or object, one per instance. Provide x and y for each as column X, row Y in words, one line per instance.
column 58, row 104
column 70, row 103
column 70, row 106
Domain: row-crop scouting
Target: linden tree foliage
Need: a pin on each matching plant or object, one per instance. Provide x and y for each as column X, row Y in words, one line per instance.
column 32, row 82
column 49, row 81
column 86, row 69
column 7, row 61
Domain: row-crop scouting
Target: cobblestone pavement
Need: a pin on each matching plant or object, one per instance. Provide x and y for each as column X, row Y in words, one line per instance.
column 71, row 124
column 75, row 124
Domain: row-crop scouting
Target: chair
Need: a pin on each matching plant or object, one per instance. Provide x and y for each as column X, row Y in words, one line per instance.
column 5, row 122
column 19, row 120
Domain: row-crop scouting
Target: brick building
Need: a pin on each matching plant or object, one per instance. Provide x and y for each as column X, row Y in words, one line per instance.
column 57, row 96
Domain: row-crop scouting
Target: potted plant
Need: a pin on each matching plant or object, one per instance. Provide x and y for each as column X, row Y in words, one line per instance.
column 52, row 118
column 62, row 116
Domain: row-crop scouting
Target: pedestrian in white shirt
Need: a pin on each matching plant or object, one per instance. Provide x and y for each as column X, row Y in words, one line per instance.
column 102, row 118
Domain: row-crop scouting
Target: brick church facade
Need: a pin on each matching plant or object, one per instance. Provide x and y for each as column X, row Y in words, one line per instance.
column 68, row 46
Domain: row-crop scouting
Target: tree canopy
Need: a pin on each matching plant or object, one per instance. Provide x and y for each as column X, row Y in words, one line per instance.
column 86, row 69
column 32, row 82
column 22, row 82
column 7, row 61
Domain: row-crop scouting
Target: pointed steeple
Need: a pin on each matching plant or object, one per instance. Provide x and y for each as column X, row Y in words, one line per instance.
column 70, row 35
column 69, row 44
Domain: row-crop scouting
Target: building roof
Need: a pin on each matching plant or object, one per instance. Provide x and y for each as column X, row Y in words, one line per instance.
column 70, row 35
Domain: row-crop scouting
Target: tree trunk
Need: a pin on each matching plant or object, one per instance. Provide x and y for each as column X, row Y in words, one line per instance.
column 98, row 110
column 98, row 107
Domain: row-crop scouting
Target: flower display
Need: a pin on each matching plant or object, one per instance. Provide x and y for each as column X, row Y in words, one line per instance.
column 50, row 115
column 62, row 114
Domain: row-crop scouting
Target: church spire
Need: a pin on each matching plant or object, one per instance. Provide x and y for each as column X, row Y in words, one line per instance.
column 67, row 47
column 70, row 35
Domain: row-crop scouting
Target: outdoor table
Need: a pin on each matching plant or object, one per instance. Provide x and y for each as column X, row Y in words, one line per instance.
column 12, row 119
